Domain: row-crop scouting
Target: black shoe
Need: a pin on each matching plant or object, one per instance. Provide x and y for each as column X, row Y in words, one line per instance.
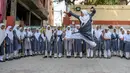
column 88, row 57
column 45, row 57
column 11, row 59
column 80, row 57
column 68, row 56
column 127, row 58
column 50, row 56
column 91, row 57
column 75, row 57
column 2, row 61
column 108, row 57
column 16, row 58
column 6, row 59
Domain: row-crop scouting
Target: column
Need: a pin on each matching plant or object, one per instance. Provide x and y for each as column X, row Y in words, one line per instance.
column 13, row 8
column 41, row 22
column 30, row 18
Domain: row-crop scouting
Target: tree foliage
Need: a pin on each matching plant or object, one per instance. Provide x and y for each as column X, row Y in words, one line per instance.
column 98, row 2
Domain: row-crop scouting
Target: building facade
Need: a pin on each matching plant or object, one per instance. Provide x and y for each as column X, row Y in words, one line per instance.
column 28, row 12
column 51, row 12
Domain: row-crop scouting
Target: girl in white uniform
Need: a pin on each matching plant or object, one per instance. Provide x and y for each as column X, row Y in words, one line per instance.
column 107, row 43
column 127, row 44
column 2, row 41
column 68, row 42
column 121, row 46
column 48, row 34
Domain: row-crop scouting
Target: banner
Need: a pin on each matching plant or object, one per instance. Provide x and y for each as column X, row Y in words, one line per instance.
column 10, row 21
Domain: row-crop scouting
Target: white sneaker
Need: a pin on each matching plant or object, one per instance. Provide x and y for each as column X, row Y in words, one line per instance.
column 60, row 55
column 75, row 54
column 93, row 44
column 55, row 55
column 88, row 52
column 50, row 53
column 91, row 53
column 46, row 53
column 105, row 53
column 127, row 55
column 81, row 55
column 121, row 53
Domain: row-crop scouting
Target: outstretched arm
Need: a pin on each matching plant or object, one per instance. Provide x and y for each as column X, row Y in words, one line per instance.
column 74, row 15
column 70, row 13
column 93, row 10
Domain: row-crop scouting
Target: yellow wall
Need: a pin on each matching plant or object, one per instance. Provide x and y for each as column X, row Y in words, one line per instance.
column 107, row 12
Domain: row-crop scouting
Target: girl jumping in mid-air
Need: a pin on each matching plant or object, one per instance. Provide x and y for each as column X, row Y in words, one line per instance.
column 85, row 26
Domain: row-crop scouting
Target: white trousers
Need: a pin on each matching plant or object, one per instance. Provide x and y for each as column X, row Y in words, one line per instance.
column 89, row 52
column 79, row 36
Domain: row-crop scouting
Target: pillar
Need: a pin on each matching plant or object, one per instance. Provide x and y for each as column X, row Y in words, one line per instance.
column 41, row 22
column 30, row 18
column 13, row 8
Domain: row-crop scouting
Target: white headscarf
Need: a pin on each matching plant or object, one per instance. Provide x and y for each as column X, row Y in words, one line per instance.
column 48, row 33
column 43, row 37
column 84, row 19
column 59, row 32
column 29, row 32
column 17, row 31
column 68, row 32
column 3, row 33
column 9, row 33
column 75, row 29
column 98, row 33
column 37, row 34
column 15, row 27
column 22, row 33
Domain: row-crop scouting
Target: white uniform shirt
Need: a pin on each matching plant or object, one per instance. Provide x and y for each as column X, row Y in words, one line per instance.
column 68, row 34
column 107, row 35
column 127, row 37
column 98, row 33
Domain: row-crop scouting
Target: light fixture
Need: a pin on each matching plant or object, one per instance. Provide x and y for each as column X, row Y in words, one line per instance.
column 78, row 8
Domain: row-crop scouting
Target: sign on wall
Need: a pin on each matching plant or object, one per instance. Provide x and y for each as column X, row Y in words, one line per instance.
column 10, row 21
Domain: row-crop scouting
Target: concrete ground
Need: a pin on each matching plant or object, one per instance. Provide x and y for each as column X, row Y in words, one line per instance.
column 38, row 64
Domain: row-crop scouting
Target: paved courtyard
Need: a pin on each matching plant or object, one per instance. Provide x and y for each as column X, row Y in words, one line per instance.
column 38, row 64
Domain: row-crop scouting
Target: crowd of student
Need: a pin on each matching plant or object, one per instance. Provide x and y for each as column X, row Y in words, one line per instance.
column 20, row 42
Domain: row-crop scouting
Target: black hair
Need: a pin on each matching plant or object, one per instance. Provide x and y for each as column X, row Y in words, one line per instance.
column 92, row 7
